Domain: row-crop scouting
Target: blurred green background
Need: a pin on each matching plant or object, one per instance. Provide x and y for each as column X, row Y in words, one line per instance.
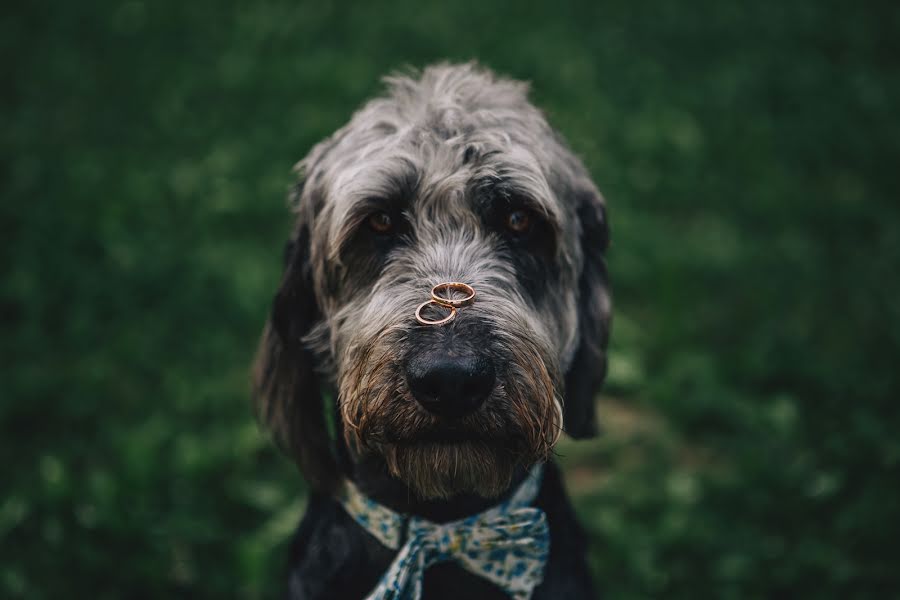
column 749, row 155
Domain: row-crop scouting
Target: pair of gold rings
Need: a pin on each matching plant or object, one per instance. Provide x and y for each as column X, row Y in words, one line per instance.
column 439, row 298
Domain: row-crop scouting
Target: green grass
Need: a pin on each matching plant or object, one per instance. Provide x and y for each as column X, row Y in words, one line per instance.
column 748, row 152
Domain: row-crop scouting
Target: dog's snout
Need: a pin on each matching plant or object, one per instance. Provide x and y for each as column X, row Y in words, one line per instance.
column 450, row 385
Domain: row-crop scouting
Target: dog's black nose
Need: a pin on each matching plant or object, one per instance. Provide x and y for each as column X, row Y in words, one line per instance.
column 450, row 385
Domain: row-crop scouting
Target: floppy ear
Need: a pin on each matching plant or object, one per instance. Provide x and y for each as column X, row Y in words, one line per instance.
column 286, row 389
column 588, row 368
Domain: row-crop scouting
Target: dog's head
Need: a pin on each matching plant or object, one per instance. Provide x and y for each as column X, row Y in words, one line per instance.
column 452, row 176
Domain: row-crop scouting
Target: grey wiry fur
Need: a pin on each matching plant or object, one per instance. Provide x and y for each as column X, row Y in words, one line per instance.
column 445, row 152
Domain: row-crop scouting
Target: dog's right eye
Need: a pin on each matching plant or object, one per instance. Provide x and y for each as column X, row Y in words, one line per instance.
column 381, row 222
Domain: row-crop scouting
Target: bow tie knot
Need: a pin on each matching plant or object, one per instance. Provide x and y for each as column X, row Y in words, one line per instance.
column 437, row 542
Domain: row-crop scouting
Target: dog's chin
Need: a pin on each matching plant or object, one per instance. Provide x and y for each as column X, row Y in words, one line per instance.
column 444, row 469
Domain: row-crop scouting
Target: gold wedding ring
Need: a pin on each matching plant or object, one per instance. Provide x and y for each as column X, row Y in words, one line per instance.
column 453, row 286
column 443, row 321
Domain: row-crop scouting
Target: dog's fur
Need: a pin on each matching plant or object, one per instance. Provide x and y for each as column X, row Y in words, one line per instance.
column 447, row 155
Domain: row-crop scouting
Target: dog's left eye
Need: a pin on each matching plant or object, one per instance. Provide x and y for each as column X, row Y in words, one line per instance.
column 381, row 222
column 518, row 221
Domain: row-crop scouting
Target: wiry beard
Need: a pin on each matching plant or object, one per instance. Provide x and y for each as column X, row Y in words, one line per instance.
column 436, row 470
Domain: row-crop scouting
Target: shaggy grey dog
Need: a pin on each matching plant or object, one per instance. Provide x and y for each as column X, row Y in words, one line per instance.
column 452, row 176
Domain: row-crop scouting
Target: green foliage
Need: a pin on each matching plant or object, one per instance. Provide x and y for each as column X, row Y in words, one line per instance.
column 748, row 153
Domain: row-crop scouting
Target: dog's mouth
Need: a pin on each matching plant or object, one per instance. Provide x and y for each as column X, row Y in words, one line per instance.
column 459, row 440
column 455, row 432
column 441, row 436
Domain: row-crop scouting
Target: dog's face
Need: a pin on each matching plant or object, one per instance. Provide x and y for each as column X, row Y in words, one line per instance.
column 451, row 177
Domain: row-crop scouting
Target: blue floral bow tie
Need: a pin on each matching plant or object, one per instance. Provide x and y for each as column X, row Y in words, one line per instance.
column 507, row 544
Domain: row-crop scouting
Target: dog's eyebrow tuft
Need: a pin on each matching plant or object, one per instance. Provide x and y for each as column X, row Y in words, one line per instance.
column 390, row 190
column 492, row 190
